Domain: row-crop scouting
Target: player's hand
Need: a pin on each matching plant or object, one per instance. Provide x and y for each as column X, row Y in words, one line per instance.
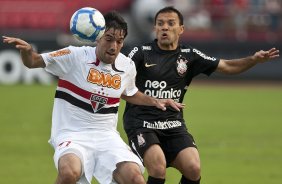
column 264, row 56
column 30, row 58
column 19, row 43
column 163, row 103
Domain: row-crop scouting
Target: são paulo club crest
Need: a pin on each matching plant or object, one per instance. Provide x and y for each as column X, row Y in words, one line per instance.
column 98, row 102
column 181, row 65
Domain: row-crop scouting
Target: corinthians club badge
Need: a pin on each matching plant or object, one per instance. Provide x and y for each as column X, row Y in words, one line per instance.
column 141, row 140
column 181, row 65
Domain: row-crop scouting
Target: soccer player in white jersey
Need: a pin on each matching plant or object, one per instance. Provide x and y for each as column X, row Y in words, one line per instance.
column 84, row 121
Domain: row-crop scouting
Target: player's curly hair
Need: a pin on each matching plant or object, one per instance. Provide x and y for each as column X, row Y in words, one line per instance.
column 114, row 20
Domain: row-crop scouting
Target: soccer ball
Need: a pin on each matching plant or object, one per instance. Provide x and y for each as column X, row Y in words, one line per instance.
column 87, row 24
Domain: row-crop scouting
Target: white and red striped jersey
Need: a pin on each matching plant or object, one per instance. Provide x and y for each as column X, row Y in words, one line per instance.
column 88, row 92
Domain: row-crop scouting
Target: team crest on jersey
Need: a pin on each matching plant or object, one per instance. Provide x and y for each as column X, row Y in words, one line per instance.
column 182, row 65
column 98, row 102
column 141, row 140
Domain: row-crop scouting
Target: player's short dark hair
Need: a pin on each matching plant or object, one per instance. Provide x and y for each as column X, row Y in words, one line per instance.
column 114, row 20
column 170, row 9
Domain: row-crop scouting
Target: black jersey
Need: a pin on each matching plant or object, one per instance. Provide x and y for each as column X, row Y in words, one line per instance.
column 164, row 74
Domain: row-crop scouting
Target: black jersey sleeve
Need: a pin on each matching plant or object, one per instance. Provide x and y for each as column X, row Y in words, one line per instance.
column 204, row 63
column 136, row 55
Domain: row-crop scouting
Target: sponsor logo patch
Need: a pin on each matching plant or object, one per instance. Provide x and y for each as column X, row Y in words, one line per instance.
column 149, row 65
column 104, row 79
column 60, row 53
column 162, row 125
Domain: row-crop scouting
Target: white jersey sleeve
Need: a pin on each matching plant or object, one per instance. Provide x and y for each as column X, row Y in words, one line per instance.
column 131, row 88
column 59, row 62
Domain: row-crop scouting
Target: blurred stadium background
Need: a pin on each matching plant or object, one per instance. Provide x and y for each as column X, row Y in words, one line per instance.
column 221, row 28
column 249, row 148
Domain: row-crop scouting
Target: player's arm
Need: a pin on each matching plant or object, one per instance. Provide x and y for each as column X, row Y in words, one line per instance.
column 140, row 98
column 30, row 58
column 235, row 66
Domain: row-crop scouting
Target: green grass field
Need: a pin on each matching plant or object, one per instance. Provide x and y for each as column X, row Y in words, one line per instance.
column 238, row 131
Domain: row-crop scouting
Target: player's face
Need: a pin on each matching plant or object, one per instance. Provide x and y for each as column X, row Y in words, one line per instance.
column 109, row 46
column 168, row 30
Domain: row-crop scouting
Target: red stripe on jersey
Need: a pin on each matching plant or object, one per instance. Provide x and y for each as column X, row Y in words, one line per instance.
column 84, row 93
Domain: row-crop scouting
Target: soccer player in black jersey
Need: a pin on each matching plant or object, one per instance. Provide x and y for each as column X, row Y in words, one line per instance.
column 165, row 68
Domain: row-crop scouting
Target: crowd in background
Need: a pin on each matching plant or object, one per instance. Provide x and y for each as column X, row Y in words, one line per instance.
column 239, row 16
column 205, row 19
column 232, row 14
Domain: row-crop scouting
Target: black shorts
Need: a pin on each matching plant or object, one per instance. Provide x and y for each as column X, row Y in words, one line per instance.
column 171, row 141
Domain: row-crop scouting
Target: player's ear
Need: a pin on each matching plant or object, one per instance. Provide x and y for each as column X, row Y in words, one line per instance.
column 181, row 29
column 154, row 28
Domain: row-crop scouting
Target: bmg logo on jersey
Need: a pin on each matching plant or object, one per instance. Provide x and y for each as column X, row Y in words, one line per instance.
column 158, row 89
column 104, row 79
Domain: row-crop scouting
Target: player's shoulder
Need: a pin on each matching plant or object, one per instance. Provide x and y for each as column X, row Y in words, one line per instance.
column 124, row 63
column 185, row 48
column 81, row 48
column 122, row 57
column 147, row 46
column 60, row 53
column 85, row 52
column 139, row 50
column 143, row 47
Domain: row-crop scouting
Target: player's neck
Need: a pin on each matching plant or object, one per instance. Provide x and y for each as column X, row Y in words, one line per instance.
column 172, row 46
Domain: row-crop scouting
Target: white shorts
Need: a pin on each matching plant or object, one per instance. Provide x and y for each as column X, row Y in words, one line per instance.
column 99, row 153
